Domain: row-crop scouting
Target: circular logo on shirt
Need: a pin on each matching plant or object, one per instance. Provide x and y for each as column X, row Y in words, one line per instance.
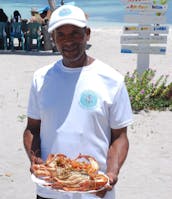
column 88, row 99
column 65, row 12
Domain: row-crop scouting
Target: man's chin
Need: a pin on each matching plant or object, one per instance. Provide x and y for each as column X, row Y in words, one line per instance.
column 71, row 58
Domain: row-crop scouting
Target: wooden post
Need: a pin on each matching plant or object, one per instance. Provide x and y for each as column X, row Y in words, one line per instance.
column 143, row 59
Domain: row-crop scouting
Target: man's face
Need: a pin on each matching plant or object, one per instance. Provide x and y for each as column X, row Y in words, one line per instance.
column 71, row 42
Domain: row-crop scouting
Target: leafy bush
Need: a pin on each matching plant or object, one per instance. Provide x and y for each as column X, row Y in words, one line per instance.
column 146, row 93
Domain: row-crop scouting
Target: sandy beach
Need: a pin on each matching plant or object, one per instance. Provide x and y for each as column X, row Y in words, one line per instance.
column 147, row 172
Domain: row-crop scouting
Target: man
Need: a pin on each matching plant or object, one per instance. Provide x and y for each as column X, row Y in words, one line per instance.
column 77, row 105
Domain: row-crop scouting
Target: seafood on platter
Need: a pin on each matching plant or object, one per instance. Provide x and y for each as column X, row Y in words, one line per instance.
column 79, row 174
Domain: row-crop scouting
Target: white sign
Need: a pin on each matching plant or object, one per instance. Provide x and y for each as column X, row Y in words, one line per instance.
column 143, row 49
column 143, row 39
column 144, row 19
column 150, row 17
column 162, row 2
column 135, row 1
column 147, row 8
column 146, row 29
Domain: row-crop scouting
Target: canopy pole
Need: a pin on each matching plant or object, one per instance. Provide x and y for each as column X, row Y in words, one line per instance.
column 52, row 4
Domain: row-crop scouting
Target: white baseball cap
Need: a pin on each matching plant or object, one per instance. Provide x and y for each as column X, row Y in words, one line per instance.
column 67, row 14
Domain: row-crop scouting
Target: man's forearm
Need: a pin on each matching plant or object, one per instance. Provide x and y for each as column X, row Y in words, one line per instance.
column 31, row 144
column 116, row 155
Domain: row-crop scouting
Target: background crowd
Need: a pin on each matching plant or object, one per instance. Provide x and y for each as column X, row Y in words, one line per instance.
column 29, row 33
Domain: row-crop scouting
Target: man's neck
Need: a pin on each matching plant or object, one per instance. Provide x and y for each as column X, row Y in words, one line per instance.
column 84, row 61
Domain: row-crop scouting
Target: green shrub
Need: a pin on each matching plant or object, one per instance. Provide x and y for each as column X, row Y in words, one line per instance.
column 145, row 94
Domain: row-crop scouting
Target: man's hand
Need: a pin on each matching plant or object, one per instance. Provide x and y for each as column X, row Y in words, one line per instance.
column 112, row 181
column 35, row 160
column 113, row 178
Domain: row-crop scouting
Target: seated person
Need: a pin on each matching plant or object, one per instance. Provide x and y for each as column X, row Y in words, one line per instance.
column 16, row 16
column 45, row 14
column 3, row 16
column 35, row 16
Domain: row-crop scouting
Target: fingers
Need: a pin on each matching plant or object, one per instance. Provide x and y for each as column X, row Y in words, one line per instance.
column 101, row 194
column 108, row 187
column 31, row 169
column 36, row 160
column 112, row 179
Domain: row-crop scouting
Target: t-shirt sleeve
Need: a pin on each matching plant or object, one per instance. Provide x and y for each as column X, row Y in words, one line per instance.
column 33, row 110
column 120, row 111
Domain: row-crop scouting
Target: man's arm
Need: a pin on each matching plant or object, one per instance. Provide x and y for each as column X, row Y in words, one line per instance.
column 117, row 153
column 31, row 140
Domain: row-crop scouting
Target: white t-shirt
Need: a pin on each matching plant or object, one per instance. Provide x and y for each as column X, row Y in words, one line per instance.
column 77, row 108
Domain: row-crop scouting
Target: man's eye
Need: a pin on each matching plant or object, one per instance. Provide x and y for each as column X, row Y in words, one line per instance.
column 59, row 35
column 77, row 34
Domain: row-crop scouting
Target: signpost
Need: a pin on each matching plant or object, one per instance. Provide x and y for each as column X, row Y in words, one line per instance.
column 147, row 32
column 143, row 39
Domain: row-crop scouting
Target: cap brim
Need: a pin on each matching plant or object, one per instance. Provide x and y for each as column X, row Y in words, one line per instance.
column 80, row 24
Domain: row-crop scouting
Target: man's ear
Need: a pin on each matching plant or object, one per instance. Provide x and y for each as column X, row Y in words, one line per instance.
column 88, row 33
column 53, row 36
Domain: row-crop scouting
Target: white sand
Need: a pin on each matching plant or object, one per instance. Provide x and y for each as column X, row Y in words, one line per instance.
column 147, row 172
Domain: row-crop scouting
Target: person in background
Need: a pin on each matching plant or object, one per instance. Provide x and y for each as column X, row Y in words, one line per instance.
column 46, row 39
column 77, row 105
column 35, row 16
column 16, row 16
column 3, row 16
column 16, row 30
column 52, row 4
column 45, row 14
column 4, row 19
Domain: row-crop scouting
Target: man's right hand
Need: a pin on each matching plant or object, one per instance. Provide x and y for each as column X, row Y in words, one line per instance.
column 35, row 160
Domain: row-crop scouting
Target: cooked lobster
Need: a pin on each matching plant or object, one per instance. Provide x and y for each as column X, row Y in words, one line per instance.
column 63, row 173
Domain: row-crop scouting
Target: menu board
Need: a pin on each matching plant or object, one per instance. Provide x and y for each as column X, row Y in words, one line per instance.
column 146, row 33
column 148, row 19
